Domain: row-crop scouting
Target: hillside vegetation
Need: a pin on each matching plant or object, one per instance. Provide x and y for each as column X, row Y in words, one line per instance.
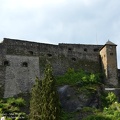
column 81, row 97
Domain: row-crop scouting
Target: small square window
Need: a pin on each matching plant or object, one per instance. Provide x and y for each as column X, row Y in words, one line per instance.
column 25, row 64
column 73, row 59
column 49, row 55
column 30, row 52
column 6, row 63
column 69, row 49
column 96, row 50
column 111, row 53
column 110, row 46
column 85, row 49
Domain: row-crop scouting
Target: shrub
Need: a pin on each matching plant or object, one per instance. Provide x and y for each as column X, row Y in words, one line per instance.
column 72, row 77
column 107, row 99
column 66, row 116
column 20, row 102
column 96, row 117
column 9, row 108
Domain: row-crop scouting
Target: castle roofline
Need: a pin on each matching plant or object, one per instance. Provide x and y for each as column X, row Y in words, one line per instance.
column 9, row 41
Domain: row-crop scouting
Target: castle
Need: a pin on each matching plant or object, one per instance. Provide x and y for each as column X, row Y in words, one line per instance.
column 21, row 61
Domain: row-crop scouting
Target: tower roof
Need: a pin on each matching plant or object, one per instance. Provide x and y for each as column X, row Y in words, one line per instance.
column 110, row 43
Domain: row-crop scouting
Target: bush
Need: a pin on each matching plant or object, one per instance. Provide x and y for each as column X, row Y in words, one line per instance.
column 66, row 116
column 97, row 117
column 10, row 108
column 113, row 111
column 20, row 102
column 72, row 77
column 107, row 99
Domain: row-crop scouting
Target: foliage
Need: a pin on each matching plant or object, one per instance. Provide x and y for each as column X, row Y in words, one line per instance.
column 35, row 102
column 19, row 101
column 110, row 113
column 111, row 98
column 111, row 110
column 44, row 104
column 89, row 109
column 72, row 77
column 66, row 115
column 10, row 108
column 96, row 117
column 108, row 99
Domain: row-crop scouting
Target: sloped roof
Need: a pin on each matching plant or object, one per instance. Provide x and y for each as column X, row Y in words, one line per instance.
column 110, row 43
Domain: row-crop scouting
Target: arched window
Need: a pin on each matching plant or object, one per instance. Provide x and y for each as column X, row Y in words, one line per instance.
column 30, row 52
column 49, row 55
column 70, row 49
column 6, row 63
column 85, row 49
column 25, row 64
column 73, row 59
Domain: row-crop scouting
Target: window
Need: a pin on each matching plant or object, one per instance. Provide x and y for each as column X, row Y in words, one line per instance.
column 70, row 49
column 49, row 55
column 25, row 64
column 111, row 53
column 85, row 49
column 6, row 63
column 73, row 59
column 30, row 52
column 96, row 49
column 110, row 46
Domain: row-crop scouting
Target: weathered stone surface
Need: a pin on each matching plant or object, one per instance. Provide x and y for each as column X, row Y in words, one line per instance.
column 61, row 56
column 19, row 78
column 71, row 100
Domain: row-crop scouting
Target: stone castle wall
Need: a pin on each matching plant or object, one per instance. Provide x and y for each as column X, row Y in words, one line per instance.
column 22, row 61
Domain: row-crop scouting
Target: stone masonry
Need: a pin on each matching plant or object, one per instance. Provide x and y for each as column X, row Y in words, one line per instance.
column 22, row 61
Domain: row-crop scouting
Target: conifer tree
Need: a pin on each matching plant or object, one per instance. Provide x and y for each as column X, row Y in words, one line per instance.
column 35, row 102
column 44, row 104
column 50, row 102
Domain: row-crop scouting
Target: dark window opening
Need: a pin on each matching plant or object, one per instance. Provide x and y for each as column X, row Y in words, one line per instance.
column 73, row 59
column 25, row 64
column 6, row 63
column 70, row 49
column 111, row 46
column 96, row 49
column 111, row 53
column 30, row 52
column 49, row 55
column 85, row 49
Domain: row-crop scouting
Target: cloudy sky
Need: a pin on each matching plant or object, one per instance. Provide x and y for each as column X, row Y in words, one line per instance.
column 61, row 21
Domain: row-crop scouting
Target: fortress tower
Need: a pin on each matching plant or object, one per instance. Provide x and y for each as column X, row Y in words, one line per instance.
column 109, row 63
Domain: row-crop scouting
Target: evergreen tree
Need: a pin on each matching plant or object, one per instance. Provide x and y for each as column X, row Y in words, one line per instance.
column 35, row 102
column 44, row 104
column 50, row 102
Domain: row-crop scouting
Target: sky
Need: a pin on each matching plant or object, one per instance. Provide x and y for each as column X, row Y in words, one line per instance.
column 61, row 21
